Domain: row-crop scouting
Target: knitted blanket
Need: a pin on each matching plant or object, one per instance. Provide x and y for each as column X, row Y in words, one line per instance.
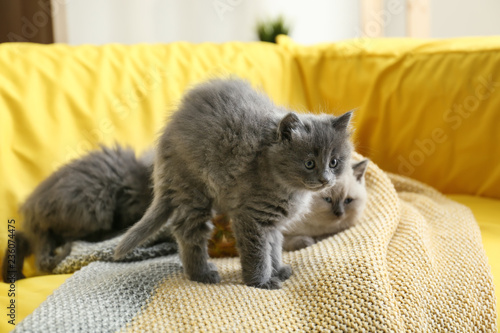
column 414, row 263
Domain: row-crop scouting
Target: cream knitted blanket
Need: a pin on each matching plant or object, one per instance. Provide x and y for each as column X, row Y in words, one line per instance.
column 414, row 263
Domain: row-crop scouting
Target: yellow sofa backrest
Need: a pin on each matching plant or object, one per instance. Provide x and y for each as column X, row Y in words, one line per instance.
column 57, row 101
column 428, row 109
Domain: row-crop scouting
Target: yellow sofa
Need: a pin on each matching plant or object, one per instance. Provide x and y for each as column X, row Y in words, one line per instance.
column 429, row 109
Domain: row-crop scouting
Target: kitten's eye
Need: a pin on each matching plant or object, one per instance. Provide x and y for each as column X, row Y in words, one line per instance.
column 328, row 199
column 348, row 201
column 334, row 163
column 310, row 164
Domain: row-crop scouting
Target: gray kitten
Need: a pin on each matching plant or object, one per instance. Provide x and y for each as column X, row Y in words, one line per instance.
column 92, row 198
column 229, row 148
column 332, row 210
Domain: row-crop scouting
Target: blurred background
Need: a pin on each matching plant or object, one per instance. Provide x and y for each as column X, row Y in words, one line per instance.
column 161, row 21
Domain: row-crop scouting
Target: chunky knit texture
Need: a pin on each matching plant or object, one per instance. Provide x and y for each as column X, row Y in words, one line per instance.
column 414, row 263
column 84, row 253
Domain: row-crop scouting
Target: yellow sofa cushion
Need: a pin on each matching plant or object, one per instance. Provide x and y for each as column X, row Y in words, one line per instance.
column 428, row 109
column 487, row 213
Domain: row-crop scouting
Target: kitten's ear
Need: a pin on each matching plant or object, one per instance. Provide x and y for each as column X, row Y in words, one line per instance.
column 359, row 169
column 286, row 125
column 342, row 122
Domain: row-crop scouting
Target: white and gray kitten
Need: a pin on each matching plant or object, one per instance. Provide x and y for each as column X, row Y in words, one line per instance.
column 331, row 211
column 229, row 148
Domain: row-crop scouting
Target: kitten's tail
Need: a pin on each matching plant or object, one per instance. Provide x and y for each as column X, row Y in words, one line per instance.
column 13, row 260
column 154, row 218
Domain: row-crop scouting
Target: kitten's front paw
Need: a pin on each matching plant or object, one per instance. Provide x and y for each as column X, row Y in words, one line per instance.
column 211, row 276
column 272, row 284
column 284, row 272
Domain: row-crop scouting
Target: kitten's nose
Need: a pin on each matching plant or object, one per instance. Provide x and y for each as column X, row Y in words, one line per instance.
column 338, row 212
column 325, row 179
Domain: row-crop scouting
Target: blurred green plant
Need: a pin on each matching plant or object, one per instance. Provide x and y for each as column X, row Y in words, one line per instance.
column 270, row 29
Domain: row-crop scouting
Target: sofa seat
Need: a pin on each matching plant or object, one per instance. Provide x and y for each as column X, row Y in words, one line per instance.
column 33, row 291
column 487, row 213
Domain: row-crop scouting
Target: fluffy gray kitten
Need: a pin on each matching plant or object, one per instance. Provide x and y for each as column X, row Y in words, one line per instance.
column 332, row 210
column 228, row 148
column 92, row 198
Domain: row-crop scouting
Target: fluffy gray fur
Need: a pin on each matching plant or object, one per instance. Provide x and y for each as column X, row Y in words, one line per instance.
column 92, row 198
column 229, row 148
column 332, row 210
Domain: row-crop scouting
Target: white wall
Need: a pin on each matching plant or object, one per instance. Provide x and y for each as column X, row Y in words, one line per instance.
column 151, row 21
column 317, row 20
column 452, row 18
column 395, row 23
column 136, row 21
